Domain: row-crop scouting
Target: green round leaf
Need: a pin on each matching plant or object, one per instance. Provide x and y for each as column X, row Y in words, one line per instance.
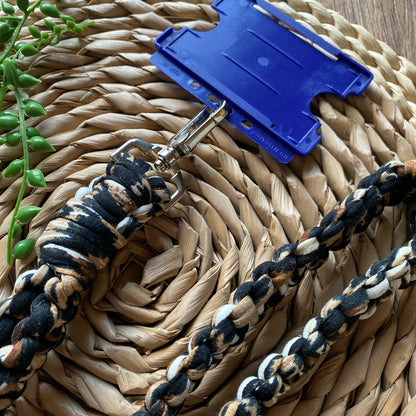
column 49, row 24
column 77, row 29
column 42, row 43
column 34, row 109
column 2, row 140
column 26, row 49
column 55, row 41
column 22, row 4
column 13, row 139
column 15, row 168
column 23, row 248
column 66, row 19
column 30, row 50
column 70, row 24
column 4, row 28
column 7, row 8
column 58, row 29
column 31, row 131
column 35, row 32
column 26, row 214
column 17, row 230
column 8, row 122
column 9, row 112
column 49, row 10
column 27, row 81
column 35, row 178
column 40, row 144
column 6, row 36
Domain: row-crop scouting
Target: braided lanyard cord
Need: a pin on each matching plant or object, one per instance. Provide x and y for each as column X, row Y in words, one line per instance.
column 393, row 183
column 71, row 251
column 277, row 372
column 89, row 231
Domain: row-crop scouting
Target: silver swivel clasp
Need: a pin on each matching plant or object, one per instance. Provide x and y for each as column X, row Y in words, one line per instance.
column 179, row 145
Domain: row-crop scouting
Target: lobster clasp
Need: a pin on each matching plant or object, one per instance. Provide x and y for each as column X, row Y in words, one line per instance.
column 178, row 146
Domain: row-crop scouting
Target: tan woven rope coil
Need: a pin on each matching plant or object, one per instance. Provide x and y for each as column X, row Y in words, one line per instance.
column 241, row 205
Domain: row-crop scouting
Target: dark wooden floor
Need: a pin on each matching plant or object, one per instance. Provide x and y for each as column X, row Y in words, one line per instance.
column 392, row 21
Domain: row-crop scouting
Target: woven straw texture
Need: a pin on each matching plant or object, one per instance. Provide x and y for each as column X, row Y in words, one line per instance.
column 241, row 205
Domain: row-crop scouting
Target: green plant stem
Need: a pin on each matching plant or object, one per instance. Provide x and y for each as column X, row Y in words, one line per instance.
column 10, row 17
column 10, row 82
column 25, row 146
column 19, row 27
column 3, row 92
column 19, row 100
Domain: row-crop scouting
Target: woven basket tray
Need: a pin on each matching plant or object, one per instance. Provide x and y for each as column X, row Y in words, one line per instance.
column 241, row 205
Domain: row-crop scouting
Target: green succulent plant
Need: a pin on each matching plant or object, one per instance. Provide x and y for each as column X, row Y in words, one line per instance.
column 13, row 123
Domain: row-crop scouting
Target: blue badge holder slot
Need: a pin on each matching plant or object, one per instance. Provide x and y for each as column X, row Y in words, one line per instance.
column 266, row 66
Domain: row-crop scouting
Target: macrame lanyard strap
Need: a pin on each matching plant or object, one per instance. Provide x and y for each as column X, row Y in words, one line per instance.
column 88, row 232
column 71, row 251
column 393, row 183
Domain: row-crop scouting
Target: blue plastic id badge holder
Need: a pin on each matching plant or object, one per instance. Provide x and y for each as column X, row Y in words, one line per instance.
column 266, row 67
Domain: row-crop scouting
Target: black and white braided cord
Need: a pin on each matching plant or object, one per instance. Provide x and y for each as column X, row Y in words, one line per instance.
column 277, row 372
column 393, row 183
column 87, row 233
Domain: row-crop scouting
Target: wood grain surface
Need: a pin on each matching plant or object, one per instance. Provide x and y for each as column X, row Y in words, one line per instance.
column 392, row 21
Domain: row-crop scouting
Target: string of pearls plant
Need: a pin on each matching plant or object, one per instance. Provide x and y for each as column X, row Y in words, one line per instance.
column 13, row 123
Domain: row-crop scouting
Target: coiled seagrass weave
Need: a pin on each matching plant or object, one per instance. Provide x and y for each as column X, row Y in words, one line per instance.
column 178, row 271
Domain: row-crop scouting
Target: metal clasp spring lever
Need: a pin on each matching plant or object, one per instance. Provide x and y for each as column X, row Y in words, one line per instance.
column 179, row 145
